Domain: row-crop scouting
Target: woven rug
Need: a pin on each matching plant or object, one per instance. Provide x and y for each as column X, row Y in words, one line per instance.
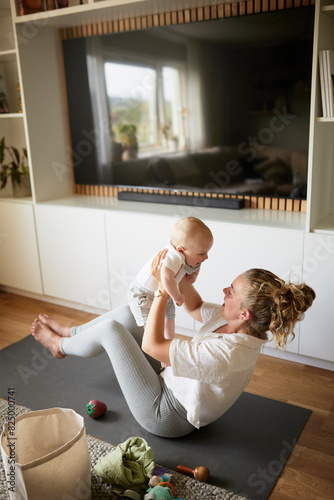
column 185, row 487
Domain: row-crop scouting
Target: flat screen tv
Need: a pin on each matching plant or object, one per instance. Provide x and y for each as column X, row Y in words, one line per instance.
column 214, row 106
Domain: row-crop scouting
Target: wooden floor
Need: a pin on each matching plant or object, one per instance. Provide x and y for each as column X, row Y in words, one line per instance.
column 309, row 472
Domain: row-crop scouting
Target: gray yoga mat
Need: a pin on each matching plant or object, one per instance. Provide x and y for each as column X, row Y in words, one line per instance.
column 245, row 449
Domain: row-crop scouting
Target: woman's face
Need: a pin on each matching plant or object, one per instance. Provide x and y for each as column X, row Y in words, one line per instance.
column 231, row 308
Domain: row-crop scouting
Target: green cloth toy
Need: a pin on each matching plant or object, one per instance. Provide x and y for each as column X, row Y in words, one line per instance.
column 131, row 463
column 160, row 492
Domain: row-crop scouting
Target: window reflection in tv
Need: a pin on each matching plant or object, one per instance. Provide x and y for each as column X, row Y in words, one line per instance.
column 219, row 105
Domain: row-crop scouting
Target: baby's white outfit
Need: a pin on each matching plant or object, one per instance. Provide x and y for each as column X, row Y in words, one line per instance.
column 142, row 288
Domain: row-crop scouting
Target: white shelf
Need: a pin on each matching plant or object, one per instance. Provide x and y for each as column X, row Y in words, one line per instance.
column 11, row 115
column 247, row 216
column 325, row 226
column 13, row 199
column 328, row 9
column 7, row 55
column 325, row 120
column 103, row 11
column 93, row 12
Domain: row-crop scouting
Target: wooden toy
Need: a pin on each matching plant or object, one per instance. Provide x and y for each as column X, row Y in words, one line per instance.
column 201, row 473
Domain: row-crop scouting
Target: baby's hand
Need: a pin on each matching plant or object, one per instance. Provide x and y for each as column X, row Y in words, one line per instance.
column 180, row 301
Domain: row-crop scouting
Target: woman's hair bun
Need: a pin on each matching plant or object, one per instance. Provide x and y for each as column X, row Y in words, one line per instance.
column 274, row 304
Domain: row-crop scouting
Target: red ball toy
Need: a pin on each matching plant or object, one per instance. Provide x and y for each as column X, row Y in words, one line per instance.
column 95, row 408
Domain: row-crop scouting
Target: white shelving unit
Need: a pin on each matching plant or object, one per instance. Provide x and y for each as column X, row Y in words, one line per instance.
column 283, row 240
column 12, row 124
column 320, row 198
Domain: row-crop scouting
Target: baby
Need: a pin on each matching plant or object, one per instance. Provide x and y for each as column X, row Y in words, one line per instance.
column 191, row 241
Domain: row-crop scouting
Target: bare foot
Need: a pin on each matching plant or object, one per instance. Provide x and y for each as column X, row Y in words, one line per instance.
column 58, row 328
column 47, row 338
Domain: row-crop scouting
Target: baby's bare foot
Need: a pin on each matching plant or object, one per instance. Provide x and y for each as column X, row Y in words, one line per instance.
column 58, row 328
column 47, row 338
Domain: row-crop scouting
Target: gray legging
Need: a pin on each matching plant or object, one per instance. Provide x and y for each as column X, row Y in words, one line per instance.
column 150, row 401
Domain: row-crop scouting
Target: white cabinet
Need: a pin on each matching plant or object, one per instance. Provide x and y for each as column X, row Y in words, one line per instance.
column 19, row 264
column 317, row 331
column 132, row 238
column 73, row 255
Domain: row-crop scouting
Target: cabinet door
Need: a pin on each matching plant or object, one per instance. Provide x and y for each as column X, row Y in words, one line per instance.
column 73, row 254
column 317, row 331
column 132, row 239
column 19, row 264
column 237, row 248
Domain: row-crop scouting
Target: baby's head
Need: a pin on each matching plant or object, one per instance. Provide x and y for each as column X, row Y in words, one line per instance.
column 193, row 238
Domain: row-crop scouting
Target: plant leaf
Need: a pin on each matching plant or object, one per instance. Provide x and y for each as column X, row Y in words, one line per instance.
column 16, row 176
column 14, row 152
column 3, row 177
column 2, row 150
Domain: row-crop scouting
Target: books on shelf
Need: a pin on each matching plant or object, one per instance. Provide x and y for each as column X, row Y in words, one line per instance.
column 326, row 66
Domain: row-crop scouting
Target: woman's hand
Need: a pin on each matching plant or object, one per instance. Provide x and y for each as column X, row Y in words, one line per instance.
column 157, row 264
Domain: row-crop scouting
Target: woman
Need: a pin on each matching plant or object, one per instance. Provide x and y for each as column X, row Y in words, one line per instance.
column 204, row 376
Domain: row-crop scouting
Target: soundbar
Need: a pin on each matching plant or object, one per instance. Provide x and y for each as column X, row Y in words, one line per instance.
column 195, row 201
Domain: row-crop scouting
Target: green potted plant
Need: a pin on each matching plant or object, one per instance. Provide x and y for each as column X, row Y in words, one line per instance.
column 129, row 140
column 13, row 165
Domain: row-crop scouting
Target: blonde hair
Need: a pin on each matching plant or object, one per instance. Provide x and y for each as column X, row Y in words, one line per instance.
column 274, row 305
column 187, row 229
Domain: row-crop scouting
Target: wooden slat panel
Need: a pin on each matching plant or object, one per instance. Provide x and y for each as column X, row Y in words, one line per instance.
column 207, row 13
column 281, row 204
column 180, row 16
column 235, row 9
column 138, row 23
column 221, row 10
column 193, row 14
column 257, row 6
column 187, row 16
column 200, row 14
column 249, row 7
column 242, row 8
column 265, row 5
column 213, row 11
column 260, row 202
column 227, row 11
column 272, row 5
column 168, row 18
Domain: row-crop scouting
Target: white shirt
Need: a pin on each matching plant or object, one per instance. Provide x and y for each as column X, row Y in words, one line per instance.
column 209, row 373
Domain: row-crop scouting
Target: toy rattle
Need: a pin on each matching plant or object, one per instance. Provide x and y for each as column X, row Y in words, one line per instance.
column 201, row 473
